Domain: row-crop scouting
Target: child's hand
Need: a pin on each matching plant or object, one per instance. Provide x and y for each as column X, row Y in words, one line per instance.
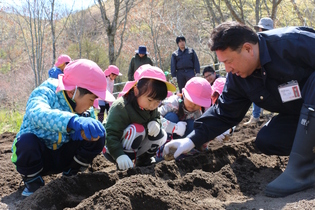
column 180, row 128
column 124, row 162
column 153, row 128
column 91, row 127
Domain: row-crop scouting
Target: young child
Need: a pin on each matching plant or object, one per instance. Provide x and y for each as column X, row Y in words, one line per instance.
column 133, row 122
column 111, row 73
column 179, row 112
column 51, row 136
column 60, row 65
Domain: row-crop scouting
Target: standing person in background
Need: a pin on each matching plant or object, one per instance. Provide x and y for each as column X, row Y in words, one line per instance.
column 111, row 73
column 138, row 60
column 60, row 65
column 184, row 63
column 264, row 24
column 210, row 75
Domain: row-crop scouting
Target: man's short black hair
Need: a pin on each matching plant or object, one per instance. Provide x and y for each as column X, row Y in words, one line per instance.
column 180, row 38
column 208, row 69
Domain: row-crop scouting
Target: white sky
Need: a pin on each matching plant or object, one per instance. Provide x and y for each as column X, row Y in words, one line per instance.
column 79, row 4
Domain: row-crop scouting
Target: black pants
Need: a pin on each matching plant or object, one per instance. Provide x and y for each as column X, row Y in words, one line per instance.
column 183, row 76
column 33, row 155
column 277, row 137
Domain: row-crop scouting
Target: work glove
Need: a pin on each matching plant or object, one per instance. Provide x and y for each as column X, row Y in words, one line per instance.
column 124, row 162
column 174, row 79
column 221, row 137
column 198, row 75
column 180, row 128
column 153, row 128
column 91, row 127
column 178, row 146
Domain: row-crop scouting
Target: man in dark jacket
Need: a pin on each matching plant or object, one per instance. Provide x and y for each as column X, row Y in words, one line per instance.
column 138, row 60
column 184, row 63
column 276, row 70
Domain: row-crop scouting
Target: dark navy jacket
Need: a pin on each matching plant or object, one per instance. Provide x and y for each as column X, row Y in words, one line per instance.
column 286, row 54
column 184, row 60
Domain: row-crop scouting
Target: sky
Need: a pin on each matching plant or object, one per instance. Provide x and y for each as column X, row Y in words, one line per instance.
column 79, row 4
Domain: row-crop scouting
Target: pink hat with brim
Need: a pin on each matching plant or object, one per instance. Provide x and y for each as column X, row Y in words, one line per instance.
column 150, row 72
column 198, row 91
column 126, row 88
column 86, row 74
column 112, row 69
column 218, row 85
column 62, row 59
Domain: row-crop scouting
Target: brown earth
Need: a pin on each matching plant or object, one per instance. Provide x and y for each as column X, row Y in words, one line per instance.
column 232, row 175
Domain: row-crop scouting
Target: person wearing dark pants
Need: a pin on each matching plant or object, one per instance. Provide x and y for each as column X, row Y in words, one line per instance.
column 59, row 132
column 184, row 63
column 276, row 70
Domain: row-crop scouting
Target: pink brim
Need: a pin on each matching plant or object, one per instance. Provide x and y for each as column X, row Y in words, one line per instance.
column 203, row 102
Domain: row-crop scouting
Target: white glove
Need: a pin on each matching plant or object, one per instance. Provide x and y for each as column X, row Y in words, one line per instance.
column 153, row 128
column 180, row 146
column 180, row 128
column 174, row 79
column 198, row 75
column 124, row 162
column 220, row 138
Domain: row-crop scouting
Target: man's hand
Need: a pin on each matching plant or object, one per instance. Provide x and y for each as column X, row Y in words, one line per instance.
column 174, row 80
column 179, row 145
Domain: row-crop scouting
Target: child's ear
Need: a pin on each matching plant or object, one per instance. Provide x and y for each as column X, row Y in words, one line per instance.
column 136, row 91
column 70, row 93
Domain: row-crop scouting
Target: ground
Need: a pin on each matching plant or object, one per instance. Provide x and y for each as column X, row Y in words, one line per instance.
column 232, row 175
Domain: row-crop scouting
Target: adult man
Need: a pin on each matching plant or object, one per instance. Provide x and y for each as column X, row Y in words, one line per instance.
column 184, row 63
column 138, row 60
column 264, row 24
column 270, row 69
column 210, row 75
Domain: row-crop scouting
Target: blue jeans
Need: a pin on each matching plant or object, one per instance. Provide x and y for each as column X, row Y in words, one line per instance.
column 256, row 111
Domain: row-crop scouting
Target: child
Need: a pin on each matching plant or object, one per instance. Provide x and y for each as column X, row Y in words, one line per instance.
column 111, row 73
column 51, row 136
column 179, row 112
column 60, row 65
column 133, row 122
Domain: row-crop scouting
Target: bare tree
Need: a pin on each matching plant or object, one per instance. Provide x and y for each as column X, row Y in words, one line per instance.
column 32, row 23
column 119, row 19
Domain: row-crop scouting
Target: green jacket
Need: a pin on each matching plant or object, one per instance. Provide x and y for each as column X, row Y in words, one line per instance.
column 135, row 63
column 121, row 114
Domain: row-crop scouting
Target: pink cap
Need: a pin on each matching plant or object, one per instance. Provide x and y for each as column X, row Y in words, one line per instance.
column 150, row 72
column 62, row 59
column 169, row 93
column 218, row 85
column 112, row 69
column 85, row 74
column 198, row 90
column 126, row 88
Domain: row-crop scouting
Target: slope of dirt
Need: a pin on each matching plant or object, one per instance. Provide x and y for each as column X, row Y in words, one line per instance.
column 231, row 175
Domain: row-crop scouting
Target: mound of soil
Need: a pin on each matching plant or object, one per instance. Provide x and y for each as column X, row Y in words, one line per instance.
column 231, row 175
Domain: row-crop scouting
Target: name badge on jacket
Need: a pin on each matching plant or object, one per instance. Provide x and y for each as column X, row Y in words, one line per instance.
column 290, row 91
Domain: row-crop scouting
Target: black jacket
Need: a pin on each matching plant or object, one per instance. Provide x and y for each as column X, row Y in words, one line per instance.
column 286, row 54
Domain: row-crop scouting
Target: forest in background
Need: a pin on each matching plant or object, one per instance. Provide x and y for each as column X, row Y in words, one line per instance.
column 33, row 35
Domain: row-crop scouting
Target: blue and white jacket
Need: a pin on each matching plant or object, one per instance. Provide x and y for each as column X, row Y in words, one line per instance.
column 47, row 115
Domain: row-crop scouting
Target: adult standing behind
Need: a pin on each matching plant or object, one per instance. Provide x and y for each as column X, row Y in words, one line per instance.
column 210, row 75
column 268, row 68
column 264, row 24
column 184, row 63
column 60, row 65
column 138, row 60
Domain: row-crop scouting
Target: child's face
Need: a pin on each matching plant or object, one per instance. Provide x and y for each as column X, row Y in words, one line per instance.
column 190, row 106
column 84, row 102
column 145, row 102
column 112, row 76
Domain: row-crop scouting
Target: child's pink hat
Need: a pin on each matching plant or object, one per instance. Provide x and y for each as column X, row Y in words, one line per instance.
column 85, row 74
column 150, row 72
column 198, row 90
column 169, row 93
column 126, row 88
column 112, row 69
column 218, row 85
column 62, row 59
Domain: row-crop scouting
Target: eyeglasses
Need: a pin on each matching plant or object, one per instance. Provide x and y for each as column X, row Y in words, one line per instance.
column 207, row 75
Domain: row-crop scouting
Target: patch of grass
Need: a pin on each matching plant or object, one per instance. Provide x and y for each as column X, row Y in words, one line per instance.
column 10, row 121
